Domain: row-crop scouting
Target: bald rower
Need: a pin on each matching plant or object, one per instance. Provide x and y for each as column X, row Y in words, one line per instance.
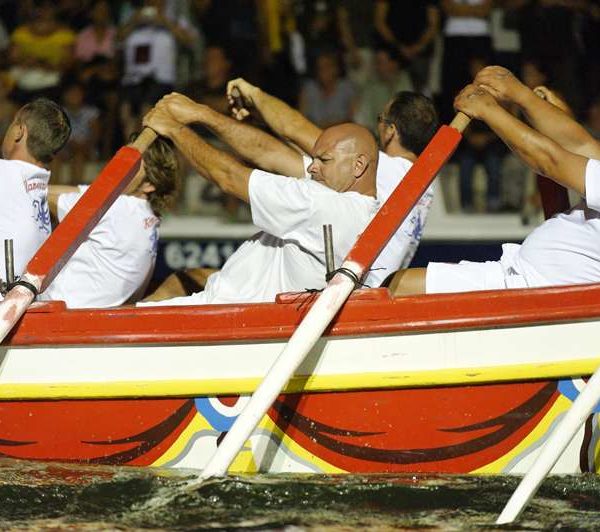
column 288, row 254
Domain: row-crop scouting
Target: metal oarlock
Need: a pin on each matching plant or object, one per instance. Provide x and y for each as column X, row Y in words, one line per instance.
column 328, row 238
column 9, row 261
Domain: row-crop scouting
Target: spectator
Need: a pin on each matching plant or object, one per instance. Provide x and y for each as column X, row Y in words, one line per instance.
column 547, row 34
column 410, row 26
column 480, row 146
column 4, row 44
column 99, row 38
column 318, row 25
column 85, row 132
column 217, row 70
column 389, row 80
column 328, row 99
column 41, row 51
column 150, row 41
column 233, row 22
column 356, row 26
column 74, row 13
column 7, row 107
column 95, row 53
column 466, row 35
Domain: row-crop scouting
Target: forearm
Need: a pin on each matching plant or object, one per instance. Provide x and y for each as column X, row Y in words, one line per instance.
column 219, row 167
column 54, row 192
column 558, row 125
column 345, row 31
column 286, row 121
column 259, row 148
column 381, row 26
column 433, row 26
column 542, row 154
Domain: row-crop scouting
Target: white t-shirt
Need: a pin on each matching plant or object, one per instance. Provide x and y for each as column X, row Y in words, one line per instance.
column 288, row 255
column 24, row 213
column 401, row 248
column 114, row 261
column 150, row 51
column 566, row 248
column 467, row 26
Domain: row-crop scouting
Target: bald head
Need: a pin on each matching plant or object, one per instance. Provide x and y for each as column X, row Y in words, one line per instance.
column 345, row 158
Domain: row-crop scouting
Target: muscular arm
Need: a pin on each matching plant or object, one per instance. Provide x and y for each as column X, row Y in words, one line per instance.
column 261, row 149
column 558, row 125
column 433, row 27
column 279, row 116
column 381, row 25
column 541, row 153
column 545, row 117
column 227, row 173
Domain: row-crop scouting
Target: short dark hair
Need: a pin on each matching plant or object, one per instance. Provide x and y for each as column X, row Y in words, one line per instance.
column 48, row 128
column 415, row 118
column 162, row 171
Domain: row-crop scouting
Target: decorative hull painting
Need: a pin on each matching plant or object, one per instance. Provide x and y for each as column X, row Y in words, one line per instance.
column 446, row 429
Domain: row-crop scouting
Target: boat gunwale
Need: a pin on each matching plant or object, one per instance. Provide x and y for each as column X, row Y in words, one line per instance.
column 368, row 312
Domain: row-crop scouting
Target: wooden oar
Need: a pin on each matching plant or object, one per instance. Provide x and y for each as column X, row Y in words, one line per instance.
column 360, row 258
column 73, row 230
column 558, row 441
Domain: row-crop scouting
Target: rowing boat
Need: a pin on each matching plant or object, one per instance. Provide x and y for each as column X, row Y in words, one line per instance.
column 449, row 383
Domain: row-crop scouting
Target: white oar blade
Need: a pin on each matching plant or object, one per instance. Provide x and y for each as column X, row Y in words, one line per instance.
column 304, row 338
column 558, row 441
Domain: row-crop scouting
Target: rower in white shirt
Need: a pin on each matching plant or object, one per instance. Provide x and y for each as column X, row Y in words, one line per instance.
column 38, row 132
column 564, row 249
column 115, row 263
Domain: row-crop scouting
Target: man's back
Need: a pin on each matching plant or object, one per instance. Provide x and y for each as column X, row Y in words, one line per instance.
column 115, row 259
column 401, row 248
column 24, row 214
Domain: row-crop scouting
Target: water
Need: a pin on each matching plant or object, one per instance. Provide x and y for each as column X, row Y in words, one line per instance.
column 58, row 497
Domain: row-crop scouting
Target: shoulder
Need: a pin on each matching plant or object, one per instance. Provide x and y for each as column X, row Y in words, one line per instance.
column 396, row 166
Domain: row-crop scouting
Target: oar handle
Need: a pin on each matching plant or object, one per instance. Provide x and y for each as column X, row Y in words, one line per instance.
column 141, row 144
column 460, row 122
column 144, row 139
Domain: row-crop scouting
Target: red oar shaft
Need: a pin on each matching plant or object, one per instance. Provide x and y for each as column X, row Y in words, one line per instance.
column 407, row 193
column 74, row 229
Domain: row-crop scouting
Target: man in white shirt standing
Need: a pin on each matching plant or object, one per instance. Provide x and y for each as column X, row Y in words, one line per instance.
column 288, row 254
column 564, row 249
column 38, row 132
column 114, row 264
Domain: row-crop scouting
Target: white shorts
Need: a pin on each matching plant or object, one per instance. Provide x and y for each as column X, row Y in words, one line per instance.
column 469, row 276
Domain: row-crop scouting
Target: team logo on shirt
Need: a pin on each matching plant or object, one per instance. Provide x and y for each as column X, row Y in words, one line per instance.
column 152, row 222
column 41, row 214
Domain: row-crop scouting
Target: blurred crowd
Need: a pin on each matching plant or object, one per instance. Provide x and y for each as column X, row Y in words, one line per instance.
column 108, row 62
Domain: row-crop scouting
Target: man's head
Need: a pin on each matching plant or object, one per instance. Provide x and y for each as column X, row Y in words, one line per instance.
column 387, row 64
column 161, row 182
column 408, row 121
column 345, row 158
column 38, row 132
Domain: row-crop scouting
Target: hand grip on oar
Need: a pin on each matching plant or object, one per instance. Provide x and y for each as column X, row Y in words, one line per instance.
column 144, row 140
column 460, row 122
column 238, row 101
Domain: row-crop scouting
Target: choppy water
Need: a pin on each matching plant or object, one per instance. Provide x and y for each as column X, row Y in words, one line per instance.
column 58, row 497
